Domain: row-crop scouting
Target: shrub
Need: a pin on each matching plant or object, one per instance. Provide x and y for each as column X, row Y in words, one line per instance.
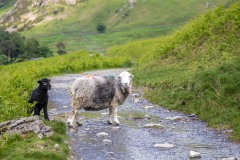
column 101, row 28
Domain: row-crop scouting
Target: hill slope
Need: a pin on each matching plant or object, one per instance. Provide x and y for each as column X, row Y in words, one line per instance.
column 75, row 25
column 196, row 69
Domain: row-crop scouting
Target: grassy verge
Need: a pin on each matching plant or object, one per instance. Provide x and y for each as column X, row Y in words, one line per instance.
column 29, row 146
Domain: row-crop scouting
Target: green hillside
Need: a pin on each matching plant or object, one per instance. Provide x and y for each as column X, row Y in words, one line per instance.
column 75, row 26
column 196, row 69
column 6, row 5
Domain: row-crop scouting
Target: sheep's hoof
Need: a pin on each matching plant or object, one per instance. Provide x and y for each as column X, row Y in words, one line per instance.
column 79, row 123
column 117, row 123
column 109, row 122
column 70, row 126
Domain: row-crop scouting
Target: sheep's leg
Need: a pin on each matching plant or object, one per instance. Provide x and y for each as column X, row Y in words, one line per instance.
column 74, row 111
column 37, row 109
column 110, row 115
column 72, row 117
column 45, row 111
column 77, row 119
column 115, row 117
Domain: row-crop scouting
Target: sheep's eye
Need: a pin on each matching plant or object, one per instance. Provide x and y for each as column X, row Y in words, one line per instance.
column 44, row 83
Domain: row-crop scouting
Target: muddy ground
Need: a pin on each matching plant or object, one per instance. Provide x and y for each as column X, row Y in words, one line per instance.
column 174, row 134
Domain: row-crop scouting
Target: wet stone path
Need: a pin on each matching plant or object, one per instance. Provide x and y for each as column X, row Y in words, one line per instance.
column 146, row 132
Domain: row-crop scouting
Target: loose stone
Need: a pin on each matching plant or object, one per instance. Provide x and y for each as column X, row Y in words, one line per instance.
column 194, row 154
column 174, row 118
column 102, row 134
column 153, row 125
column 148, row 107
column 56, row 146
column 107, row 141
column 165, row 145
column 230, row 158
column 147, row 116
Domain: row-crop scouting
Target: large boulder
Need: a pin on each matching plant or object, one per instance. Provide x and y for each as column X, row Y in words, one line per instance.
column 26, row 125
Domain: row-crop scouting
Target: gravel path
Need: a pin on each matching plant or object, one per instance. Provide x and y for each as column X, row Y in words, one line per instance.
column 168, row 135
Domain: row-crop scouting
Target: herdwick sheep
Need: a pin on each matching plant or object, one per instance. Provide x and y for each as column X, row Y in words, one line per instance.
column 97, row 93
column 40, row 95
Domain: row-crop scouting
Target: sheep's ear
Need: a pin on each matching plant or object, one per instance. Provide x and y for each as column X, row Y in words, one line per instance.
column 131, row 76
column 39, row 81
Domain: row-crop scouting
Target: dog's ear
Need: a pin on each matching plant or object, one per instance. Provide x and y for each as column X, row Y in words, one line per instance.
column 39, row 81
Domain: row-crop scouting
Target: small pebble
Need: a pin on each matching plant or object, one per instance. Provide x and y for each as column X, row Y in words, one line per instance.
column 56, row 146
column 102, row 134
column 107, row 141
column 165, row 145
column 193, row 154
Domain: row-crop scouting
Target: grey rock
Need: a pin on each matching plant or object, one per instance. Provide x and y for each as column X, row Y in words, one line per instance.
column 26, row 125
column 174, row 118
column 153, row 125
column 193, row 154
column 148, row 107
column 147, row 116
column 230, row 158
column 192, row 115
column 107, row 141
column 164, row 145
column 56, row 146
column 102, row 134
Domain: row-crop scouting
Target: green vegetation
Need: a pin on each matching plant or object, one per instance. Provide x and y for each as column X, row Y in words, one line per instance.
column 196, row 69
column 29, row 146
column 5, row 5
column 101, row 28
column 75, row 26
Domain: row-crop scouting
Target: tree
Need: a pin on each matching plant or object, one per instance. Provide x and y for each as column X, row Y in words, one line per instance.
column 31, row 48
column 12, row 45
column 8, row 47
column 3, row 59
column 61, row 48
column 45, row 51
column 101, row 28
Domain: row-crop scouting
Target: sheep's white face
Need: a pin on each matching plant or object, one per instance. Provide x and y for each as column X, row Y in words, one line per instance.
column 125, row 79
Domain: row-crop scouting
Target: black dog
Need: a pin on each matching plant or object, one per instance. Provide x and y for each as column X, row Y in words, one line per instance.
column 40, row 95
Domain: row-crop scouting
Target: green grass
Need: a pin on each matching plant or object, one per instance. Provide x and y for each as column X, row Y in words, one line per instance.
column 146, row 20
column 195, row 69
column 29, row 146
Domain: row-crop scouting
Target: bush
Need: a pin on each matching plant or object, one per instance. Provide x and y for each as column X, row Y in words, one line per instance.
column 101, row 28
column 60, row 52
column 3, row 59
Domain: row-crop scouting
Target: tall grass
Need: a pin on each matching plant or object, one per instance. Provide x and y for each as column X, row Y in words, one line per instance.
column 18, row 80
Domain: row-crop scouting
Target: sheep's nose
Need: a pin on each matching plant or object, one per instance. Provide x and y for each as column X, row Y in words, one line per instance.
column 126, row 84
